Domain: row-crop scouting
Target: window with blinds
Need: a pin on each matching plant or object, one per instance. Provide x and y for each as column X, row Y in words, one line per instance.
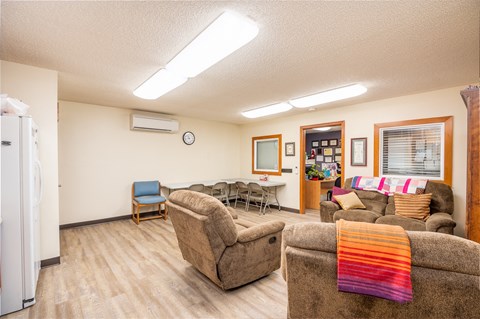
column 413, row 151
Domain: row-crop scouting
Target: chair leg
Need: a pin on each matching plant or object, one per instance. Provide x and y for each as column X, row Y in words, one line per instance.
column 136, row 215
column 227, row 200
column 165, row 216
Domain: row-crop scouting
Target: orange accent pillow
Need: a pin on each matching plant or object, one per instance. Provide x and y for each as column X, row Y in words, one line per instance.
column 412, row 205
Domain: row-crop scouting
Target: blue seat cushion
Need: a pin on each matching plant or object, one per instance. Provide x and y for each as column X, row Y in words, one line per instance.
column 146, row 188
column 145, row 200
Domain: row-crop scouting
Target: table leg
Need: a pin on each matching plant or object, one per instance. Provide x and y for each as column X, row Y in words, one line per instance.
column 278, row 203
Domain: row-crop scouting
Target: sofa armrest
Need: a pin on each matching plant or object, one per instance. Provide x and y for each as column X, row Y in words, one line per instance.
column 232, row 212
column 440, row 222
column 327, row 209
column 259, row 231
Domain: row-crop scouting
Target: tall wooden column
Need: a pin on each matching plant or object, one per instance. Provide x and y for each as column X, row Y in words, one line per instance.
column 470, row 96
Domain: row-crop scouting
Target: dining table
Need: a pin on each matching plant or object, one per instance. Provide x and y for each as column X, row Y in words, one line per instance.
column 270, row 186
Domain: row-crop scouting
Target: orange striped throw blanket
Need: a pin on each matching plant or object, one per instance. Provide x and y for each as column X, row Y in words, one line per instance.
column 374, row 260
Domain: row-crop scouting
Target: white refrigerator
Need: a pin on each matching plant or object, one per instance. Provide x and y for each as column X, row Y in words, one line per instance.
column 21, row 194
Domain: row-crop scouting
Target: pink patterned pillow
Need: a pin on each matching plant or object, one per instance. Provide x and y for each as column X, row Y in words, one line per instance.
column 338, row 191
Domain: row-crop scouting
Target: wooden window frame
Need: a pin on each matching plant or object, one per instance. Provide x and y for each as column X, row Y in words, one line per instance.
column 448, row 140
column 279, row 160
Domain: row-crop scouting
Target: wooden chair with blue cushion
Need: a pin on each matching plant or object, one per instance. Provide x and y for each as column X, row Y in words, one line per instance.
column 146, row 194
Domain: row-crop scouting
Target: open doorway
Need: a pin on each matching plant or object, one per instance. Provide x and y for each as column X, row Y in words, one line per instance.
column 323, row 146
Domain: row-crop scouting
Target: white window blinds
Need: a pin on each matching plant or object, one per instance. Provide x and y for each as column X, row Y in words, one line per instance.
column 412, row 151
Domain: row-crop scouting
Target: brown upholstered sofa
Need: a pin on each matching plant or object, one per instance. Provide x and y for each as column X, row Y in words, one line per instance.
column 380, row 209
column 445, row 277
column 230, row 253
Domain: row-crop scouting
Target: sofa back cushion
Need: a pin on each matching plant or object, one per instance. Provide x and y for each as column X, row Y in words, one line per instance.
column 373, row 201
column 442, row 199
column 219, row 221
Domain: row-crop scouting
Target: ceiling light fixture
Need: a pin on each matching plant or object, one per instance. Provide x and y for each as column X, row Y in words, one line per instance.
column 158, row 84
column 228, row 33
column 329, row 96
column 267, row 110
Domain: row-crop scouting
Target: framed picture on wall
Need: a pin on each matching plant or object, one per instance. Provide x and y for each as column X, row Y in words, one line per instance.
column 290, row 149
column 319, row 158
column 358, row 151
column 324, row 143
column 338, row 150
column 328, row 159
column 315, row 144
column 332, row 142
column 328, row 151
column 338, row 158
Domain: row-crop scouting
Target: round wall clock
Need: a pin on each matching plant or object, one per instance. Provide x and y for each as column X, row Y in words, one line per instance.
column 188, row 138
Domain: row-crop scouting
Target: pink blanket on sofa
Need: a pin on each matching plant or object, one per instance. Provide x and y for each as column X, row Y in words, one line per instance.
column 390, row 185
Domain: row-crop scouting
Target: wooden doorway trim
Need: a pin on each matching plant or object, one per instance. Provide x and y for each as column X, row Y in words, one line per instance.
column 303, row 134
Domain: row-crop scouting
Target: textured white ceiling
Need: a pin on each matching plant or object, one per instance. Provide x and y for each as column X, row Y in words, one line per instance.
column 104, row 50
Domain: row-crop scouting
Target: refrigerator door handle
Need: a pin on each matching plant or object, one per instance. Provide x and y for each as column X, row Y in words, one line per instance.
column 39, row 194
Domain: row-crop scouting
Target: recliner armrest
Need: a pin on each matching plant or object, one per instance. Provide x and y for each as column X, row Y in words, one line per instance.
column 327, row 209
column 259, row 231
column 437, row 221
column 232, row 212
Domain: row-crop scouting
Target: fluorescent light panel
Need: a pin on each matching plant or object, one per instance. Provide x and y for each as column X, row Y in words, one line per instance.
column 323, row 129
column 158, row 84
column 329, row 96
column 229, row 32
column 267, row 110
column 226, row 34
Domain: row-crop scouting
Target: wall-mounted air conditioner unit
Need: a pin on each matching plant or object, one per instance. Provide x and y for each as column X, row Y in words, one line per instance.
column 153, row 123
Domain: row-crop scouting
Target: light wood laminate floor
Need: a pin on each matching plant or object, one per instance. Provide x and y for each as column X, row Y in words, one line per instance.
column 121, row 270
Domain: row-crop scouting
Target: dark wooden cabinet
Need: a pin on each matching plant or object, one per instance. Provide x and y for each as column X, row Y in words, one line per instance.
column 470, row 96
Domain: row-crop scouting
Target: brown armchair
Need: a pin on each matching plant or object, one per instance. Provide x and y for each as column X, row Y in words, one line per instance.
column 229, row 252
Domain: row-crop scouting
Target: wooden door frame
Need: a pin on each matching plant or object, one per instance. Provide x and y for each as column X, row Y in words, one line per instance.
column 303, row 134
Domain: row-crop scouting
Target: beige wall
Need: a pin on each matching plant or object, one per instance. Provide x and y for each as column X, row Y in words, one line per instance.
column 359, row 120
column 38, row 88
column 100, row 157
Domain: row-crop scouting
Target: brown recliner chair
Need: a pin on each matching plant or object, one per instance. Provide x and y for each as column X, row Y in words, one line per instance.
column 230, row 253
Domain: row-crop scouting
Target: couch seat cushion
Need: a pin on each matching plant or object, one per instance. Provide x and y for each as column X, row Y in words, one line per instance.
column 404, row 222
column 356, row 215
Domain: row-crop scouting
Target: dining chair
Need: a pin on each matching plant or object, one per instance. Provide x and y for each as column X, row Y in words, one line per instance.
column 220, row 191
column 147, row 194
column 258, row 197
column 197, row 188
column 241, row 194
column 338, row 183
